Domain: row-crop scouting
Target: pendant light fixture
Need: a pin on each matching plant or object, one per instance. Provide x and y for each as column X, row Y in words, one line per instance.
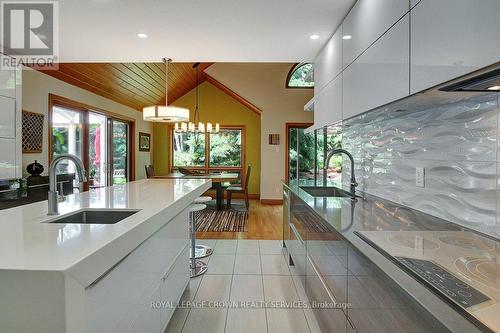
column 165, row 113
column 197, row 126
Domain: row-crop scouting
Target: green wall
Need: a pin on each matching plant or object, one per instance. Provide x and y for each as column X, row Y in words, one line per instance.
column 215, row 106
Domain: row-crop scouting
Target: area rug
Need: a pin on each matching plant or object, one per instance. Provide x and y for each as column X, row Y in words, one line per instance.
column 232, row 220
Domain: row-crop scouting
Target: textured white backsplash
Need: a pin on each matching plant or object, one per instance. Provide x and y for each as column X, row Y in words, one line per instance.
column 456, row 143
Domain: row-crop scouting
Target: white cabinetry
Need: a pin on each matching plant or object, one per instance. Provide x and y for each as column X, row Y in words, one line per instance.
column 450, row 38
column 8, row 82
column 380, row 75
column 10, row 123
column 328, row 63
column 328, row 104
column 366, row 22
column 156, row 272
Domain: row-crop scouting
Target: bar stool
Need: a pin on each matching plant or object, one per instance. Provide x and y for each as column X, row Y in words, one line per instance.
column 198, row 267
column 202, row 251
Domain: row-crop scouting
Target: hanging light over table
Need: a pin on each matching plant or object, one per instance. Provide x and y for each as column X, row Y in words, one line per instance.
column 197, row 126
column 165, row 113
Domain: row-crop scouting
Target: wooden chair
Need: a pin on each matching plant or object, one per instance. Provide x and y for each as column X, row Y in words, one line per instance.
column 240, row 189
column 150, row 171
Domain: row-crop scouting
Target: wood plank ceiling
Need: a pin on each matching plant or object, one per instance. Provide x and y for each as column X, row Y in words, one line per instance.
column 133, row 84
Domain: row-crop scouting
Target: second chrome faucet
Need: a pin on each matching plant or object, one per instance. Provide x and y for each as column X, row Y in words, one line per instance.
column 354, row 183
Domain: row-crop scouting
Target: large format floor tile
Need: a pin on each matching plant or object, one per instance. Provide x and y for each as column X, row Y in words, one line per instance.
column 248, row 247
column 214, row 288
column 274, row 264
column 246, row 320
column 247, row 288
column 270, row 246
column 247, row 264
column 220, row 264
column 286, row 320
column 279, row 288
column 225, row 246
column 205, row 321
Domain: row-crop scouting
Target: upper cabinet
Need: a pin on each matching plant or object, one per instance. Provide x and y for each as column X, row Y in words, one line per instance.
column 10, row 123
column 328, row 104
column 8, row 82
column 367, row 21
column 328, row 63
column 450, row 38
column 381, row 74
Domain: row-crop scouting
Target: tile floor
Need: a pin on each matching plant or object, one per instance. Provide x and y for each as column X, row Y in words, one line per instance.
column 244, row 270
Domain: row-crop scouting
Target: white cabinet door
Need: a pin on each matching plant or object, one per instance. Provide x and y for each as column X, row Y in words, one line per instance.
column 380, row 75
column 7, row 117
column 328, row 63
column 8, row 151
column 366, row 22
column 8, row 82
column 450, row 38
column 328, row 105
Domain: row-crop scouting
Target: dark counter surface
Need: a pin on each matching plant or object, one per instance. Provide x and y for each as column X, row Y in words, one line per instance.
column 397, row 231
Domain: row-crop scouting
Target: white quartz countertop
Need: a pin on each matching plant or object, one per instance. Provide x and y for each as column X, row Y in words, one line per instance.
column 85, row 251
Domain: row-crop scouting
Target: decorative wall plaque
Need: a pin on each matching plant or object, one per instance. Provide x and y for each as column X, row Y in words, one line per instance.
column 32, row 132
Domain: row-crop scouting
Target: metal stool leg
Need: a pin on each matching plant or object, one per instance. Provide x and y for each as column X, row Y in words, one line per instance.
column 198, row 267
column 202, row 251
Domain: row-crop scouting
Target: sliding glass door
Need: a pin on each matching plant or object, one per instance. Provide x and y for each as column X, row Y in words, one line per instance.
column 119, row 152
column 301, row 159
column 101, row 141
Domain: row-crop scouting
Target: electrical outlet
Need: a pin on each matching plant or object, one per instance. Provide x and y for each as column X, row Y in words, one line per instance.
column 420, row 177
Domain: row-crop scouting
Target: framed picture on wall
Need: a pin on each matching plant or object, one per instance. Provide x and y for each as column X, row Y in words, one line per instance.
column 144, row 141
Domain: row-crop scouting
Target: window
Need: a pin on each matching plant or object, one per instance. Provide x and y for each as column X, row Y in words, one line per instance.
column 301, row 76
column 210, row 152
column 225, row 148
column 189, row 149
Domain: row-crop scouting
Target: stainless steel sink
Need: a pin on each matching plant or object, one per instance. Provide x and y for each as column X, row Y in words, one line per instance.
column 95, row 216
column 325, row 191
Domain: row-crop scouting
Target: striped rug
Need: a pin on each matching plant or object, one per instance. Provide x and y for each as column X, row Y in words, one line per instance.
column 232, row 220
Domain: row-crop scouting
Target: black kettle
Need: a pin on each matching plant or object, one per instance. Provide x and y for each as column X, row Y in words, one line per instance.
column 34, row 169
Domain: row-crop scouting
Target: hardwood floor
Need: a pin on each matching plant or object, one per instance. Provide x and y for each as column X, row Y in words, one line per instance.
column 264, row 222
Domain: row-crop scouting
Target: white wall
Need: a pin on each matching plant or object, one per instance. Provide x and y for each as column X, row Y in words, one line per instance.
column 263, row 84
column 36, row 89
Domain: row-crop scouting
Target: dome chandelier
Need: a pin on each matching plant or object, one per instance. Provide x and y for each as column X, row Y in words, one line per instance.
column 165, row 113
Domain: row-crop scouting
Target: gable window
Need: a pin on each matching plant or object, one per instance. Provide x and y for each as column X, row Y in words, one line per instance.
column 301, row 76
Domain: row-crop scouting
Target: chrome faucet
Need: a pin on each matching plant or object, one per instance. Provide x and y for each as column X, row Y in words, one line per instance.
column 53, row 195
column 354, row 183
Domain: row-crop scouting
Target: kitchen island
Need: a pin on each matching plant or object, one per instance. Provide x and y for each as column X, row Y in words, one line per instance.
column 65, row 277
column 397, row 268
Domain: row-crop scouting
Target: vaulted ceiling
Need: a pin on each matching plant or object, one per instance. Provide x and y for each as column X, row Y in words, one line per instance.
column 133, row 84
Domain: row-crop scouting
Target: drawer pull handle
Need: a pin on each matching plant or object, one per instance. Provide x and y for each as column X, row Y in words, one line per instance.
column 171, row 268
column 103, row 275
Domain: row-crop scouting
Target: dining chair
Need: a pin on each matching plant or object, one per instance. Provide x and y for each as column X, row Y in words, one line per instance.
column 240, row 189
column 150, row 171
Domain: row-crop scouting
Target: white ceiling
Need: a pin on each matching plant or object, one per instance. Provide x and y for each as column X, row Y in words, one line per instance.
column 196, row 30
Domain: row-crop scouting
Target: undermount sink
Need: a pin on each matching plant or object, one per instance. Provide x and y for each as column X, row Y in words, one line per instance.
column 326, row 191
column 95, row 216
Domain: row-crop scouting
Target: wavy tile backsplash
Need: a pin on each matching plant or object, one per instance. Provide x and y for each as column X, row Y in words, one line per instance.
column 456, row 143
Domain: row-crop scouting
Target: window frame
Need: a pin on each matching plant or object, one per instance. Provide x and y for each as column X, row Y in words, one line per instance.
column 290, row 73
column 207, row 168
column 85, row 110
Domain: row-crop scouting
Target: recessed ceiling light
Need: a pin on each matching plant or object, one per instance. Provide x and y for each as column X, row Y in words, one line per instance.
column 346, row 37
column 142, row 35
column 313, row 37
column 494, row 88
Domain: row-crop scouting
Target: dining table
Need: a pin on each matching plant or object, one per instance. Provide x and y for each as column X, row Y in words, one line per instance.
column 218, row 179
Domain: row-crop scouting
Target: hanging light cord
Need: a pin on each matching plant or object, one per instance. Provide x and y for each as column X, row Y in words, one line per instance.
column 196, row 110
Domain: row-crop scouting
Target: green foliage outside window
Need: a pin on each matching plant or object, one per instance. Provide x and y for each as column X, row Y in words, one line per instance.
column 302, row 77
column 189, row 149
column 225, row 148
